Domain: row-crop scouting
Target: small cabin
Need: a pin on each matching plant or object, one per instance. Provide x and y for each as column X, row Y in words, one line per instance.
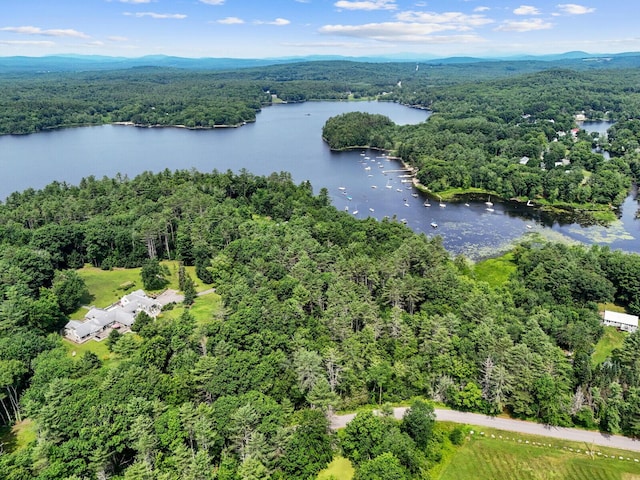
column 622, row 321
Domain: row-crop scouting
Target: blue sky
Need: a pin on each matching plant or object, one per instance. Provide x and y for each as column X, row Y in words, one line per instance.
column 276, row 28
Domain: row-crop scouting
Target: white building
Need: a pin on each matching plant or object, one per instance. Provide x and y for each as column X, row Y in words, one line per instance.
column 121, row 314
column 622, row 321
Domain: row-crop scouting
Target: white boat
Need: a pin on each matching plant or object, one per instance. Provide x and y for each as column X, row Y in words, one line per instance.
column 406, row 205
column 367, row 167
column 489, row 209
column 374, row 186
column 346, row 209
column 529, row 226
column 414, row 195
column 434, row 225
column 342, row 188
column 466, row 204
column 355, row 212
column 398, row 189
column 529, row 204
column 427, row 204
column 488, row 202
column 371, row 209
column 367, row 158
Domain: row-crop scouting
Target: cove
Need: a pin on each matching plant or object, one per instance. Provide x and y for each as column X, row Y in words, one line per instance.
column 288, row 138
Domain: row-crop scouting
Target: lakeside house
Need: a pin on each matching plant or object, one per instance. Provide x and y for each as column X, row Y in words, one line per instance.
column 622, row 321
column 119, row 315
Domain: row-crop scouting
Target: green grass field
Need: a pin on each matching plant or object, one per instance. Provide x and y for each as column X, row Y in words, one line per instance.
column 611, row 339
column 18, row 436
column 495, row 271
column 203, row 309
column 108, row 286
column 482, row 457
column 339, row 469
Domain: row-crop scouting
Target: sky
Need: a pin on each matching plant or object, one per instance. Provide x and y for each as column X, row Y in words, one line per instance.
column 292, row 28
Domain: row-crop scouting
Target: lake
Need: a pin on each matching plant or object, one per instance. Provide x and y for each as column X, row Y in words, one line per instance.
column 288, row 138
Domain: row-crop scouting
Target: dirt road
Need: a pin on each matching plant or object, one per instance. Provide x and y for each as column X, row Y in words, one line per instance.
column 520, row 426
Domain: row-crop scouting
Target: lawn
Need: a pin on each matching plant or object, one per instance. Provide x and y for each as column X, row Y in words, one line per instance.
column 495, row 271
column 611, row 339
column 108, row 286
column 99, row 348
column 339, row 469
column 499, row 455
column 18, row 436
column 203, row 309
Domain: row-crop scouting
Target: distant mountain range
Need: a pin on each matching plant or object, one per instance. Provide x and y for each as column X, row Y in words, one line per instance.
column 72, row 62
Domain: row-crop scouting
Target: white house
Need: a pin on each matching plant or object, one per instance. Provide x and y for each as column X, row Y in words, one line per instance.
column 628, row 323
column 123, row 313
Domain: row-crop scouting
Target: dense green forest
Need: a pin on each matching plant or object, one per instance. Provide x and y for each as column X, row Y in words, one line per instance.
column 488, row 118
column 515, row 138
column 321, row 312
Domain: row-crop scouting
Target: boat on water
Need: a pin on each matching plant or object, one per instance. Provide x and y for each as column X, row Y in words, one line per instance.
column 371, row 209
column 434, row 225
column 374, row 186
column 367, row 167
column 426, row 204
column 346, row 209
column 529, row 204
column 407, row 205
column 529, row 226
column 414, row 195
column 442, row 204
column 355, row 212
column 466, row 204
column 349, row 198
column 489, row 202
column 342, row 188
column 398, row 189
column 489, row 209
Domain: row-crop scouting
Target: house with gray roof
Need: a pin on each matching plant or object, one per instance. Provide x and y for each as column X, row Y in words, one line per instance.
column 120, row 314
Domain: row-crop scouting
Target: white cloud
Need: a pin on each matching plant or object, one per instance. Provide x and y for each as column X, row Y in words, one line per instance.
column 278, row 22
column 524, row 25
column 116, row 38
column 212, row 2
column 36, row 43
column 366, row 5
column 176, row 16
column 52, row 32
column 526, row 10
column 230, row 21
column 481, row 9
column 446, row 20
column 399, row 32
column 574, row 9
column 135, row 1
column 303, row 1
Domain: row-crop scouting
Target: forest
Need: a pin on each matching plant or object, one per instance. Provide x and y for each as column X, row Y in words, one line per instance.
column 320, row 312
column 502, row 128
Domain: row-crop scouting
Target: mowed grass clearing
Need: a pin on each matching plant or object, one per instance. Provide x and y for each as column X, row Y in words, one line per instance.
column 339, row 469
column 99, row 348
column 611, row 339
column 495, row 271
column 18, row 436
column 108, row 286
column 484, row 458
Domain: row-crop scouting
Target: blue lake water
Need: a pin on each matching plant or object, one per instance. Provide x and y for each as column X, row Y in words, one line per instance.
column 288, row 138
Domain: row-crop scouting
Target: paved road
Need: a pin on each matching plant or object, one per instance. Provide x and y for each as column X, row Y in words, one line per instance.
column 520, row 426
